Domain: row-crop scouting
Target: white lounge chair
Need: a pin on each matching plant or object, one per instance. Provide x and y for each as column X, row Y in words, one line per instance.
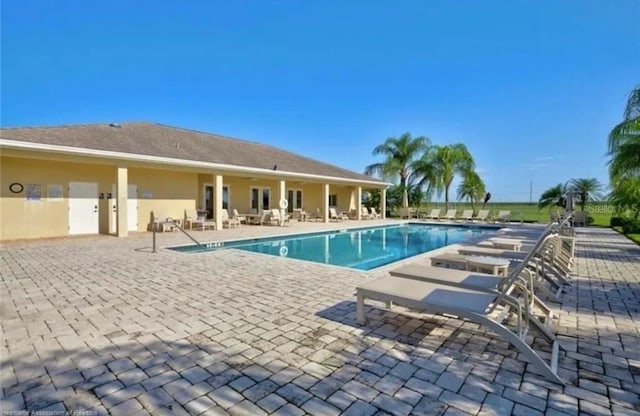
column 478, row 307
column 450, row 215
column 373, row 214
column 194, row 221
column 333, row 215
column 278, row 218
column 162, row 222
column 241, row 218
column 482, row 215
column 434, row 215
column 503, row 216
column 467, row 215
column 480, row 281
column 554, row 258
column 227, row 221
column 364, row 213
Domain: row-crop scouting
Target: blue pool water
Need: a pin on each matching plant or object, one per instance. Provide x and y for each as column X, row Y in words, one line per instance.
column 362, row 249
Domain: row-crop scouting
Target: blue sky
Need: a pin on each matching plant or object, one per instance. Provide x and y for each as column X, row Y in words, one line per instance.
column 531, row 87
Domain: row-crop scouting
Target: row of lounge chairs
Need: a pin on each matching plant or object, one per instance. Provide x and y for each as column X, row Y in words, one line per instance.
column 538, row 272
column 466, row 215
column 193, row 221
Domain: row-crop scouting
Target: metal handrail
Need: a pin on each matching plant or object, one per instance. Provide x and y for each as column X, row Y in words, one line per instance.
column 154, row 229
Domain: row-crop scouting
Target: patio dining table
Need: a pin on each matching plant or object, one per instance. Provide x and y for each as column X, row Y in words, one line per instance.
column 253, row 219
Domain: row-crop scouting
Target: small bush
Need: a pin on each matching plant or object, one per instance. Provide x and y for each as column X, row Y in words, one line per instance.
column 628, row 225
column 631, row 226
column 617, row 221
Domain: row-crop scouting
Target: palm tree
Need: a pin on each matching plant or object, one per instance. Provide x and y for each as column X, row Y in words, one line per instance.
column 553, row 196
column 626, row 196
column 401, row 160
column 585, row 189
column 444, row 162
column 471, row 188
column 624, row 141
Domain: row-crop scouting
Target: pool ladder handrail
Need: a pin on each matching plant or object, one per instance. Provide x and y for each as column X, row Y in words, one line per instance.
column 179, row 227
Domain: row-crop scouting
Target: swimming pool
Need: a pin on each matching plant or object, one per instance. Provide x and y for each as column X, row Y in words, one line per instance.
column 362, row 248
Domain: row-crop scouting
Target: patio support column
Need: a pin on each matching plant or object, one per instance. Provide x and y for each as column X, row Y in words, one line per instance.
column 325, row 198
column 122, row 196
column 217, row 201
column 282, row 192
column 359, row 203
column 383, row 203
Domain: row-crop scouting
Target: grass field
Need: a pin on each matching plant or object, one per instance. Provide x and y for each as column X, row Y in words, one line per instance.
column 524, row 212
column 632, row 236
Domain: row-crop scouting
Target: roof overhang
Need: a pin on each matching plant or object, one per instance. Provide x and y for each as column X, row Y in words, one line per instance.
column 219, row 167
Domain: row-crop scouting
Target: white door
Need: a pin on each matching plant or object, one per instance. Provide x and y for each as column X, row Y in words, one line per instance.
column 132, row 208
column 83, row 208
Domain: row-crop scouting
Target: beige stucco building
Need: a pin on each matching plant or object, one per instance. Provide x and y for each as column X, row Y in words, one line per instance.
column 110, row 178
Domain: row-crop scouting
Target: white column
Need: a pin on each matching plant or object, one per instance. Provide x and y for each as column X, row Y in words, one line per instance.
column 122, row 196
column 359, row 203
column 383, row 203
column 325, row 197
column 217, row 201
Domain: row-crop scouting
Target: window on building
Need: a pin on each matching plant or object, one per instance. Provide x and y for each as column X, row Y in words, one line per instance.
column 225, row 197
column 266, row 198
column 333, row 200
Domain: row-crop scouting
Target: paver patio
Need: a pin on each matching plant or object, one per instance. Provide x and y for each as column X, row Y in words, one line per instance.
column 102, row 324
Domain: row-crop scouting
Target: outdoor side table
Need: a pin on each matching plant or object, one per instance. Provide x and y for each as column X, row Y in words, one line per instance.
column 486, row 264
column 505, row 244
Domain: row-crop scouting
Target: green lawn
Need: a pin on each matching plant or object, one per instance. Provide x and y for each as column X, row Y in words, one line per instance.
column 524, row 212
column 633, row 236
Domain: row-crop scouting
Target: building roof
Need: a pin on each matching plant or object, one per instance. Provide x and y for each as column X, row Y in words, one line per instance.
column 158, row 140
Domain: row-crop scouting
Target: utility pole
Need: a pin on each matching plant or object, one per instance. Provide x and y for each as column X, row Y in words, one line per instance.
column 531, row 192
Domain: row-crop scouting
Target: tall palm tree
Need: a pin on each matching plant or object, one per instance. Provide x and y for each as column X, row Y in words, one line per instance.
column 445, row 162
column 553, row 196
column 401, row 157
column 624, row 141
column 586, row 189
column 471, row 188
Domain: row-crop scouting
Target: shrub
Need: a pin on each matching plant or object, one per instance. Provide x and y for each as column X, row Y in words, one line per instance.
column 631, row 226
column 617, row 221
column 628, row 225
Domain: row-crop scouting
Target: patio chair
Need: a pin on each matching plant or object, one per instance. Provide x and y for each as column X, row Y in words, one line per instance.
column 542, row 317
column 227, row 221
column 265, row 217
column 480, row 281
column 486, row 309
column 434, row 215
column 278, row 218
column 579, row 219
column 554, row 259
column 364, row 213
column 316, row 216
column 467, row 215
column 192, row 218
column 407, row 212
column 503, row 216
column 374, row 214
column 162, row 222
column 333, row 215
column 296, row 214
column 450, row 215
column 241, row 218
column 482, row 215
